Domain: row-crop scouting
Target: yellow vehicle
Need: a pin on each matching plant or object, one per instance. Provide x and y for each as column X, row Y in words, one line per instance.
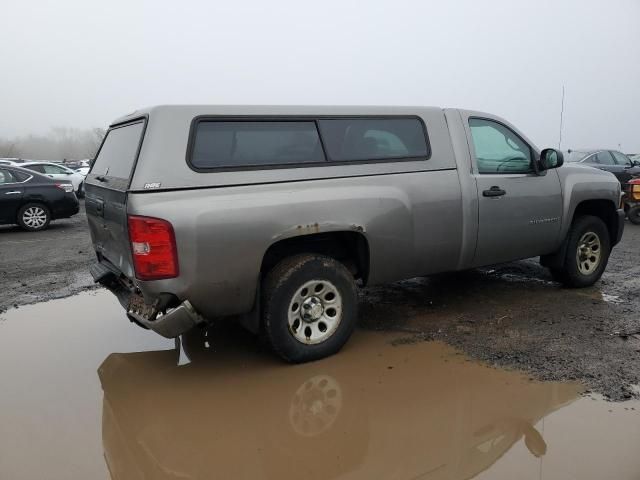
column 631, row 200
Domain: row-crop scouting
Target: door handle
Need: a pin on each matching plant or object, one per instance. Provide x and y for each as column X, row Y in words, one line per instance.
column 494, row 191
column 13, row 192
column 99, row 208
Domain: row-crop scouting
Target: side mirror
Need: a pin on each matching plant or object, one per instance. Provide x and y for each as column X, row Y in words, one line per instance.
column 635, row 163
column 551, row 158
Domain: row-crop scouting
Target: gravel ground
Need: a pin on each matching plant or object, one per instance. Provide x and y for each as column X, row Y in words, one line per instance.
column 40, row 266
column 511, row 315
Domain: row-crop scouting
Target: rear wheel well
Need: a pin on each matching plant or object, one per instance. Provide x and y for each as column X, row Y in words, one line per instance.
column 350, row 248
column 603, row 209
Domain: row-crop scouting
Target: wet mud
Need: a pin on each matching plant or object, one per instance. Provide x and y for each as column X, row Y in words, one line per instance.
column 88, row 395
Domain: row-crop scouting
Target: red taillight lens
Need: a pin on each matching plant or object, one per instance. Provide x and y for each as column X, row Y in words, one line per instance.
column 153, row 247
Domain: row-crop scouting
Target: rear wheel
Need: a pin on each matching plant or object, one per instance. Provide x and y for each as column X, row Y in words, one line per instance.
column 309, row 307
column 587, row 254
column 634, row 215
column 34, row 217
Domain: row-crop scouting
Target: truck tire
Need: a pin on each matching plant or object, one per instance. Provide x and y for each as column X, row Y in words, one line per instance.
column 587, row 253
column 34, row 217
column 310, row 306
column 634, row 215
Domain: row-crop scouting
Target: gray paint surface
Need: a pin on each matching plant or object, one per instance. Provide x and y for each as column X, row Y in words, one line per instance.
column 418, row 217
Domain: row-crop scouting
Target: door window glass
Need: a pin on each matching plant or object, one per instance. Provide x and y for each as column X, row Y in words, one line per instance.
column 498, row 149
column 6, row 177
column 35, row 168
column 53, row 170
column 621, row 159
column 604, row 158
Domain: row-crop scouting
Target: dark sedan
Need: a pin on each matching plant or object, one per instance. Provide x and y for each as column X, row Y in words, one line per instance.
column 32, row 200
column 610, row 160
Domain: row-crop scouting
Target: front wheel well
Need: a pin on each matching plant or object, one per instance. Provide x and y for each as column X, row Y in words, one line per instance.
column 603, row 209
column 350, row 248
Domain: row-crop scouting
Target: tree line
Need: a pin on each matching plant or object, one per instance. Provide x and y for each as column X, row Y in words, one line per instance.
column 59, row 144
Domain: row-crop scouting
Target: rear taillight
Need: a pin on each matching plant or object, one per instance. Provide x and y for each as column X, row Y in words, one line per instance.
column 67, row 187
column 635, row 188
column 153, row 247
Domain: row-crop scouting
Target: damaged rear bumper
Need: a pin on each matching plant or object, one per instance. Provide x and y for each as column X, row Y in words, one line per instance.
column 171, row 323
column 167, row 316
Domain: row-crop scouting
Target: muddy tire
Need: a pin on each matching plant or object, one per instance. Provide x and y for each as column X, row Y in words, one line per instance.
column 309, row 306
column 634, row 215
column 587, row 253
column 34, row 217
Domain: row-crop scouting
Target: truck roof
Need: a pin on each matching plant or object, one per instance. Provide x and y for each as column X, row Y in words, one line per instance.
column 266, row 110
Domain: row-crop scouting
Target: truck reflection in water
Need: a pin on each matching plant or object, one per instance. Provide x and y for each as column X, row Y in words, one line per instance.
column 374, row 411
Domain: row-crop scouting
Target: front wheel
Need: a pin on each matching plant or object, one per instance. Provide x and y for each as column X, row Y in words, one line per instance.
column 34, row 217
column 634, row 215
column 309, row 307
column 587, row 253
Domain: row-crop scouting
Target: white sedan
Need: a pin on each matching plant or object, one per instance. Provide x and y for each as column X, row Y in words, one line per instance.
column 59, row 172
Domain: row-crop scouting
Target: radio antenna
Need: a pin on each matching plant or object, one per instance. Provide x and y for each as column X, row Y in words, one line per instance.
column 561, row 118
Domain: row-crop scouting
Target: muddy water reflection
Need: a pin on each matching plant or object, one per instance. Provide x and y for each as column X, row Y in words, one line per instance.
column 374, row 411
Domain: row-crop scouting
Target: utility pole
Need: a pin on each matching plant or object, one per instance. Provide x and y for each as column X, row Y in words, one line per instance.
column 561, row 119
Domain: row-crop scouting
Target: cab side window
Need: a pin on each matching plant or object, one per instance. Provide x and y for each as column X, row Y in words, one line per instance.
column 498, row 148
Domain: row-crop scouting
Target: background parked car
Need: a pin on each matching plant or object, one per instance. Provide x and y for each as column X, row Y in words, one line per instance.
column 58, row 172
column 609, row 160
column 83, row 170
column 6, row 161
column 32, row 200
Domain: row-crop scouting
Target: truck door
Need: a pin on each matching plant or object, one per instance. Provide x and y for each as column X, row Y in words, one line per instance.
column 519, row 211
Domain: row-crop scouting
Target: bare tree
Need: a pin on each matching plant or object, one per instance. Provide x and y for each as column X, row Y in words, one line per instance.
column 60, row 143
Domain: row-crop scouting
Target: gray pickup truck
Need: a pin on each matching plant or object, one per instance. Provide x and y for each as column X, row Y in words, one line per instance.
column 274, row 215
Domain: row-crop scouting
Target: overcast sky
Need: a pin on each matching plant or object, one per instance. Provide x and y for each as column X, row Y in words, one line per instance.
column 82, row 63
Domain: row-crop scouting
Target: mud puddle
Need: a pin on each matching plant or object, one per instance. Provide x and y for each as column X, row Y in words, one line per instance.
column 86, row 395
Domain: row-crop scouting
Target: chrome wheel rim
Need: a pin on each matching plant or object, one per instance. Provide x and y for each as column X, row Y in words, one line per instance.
column 34, row 217
column 315, row 311
column 589, row 253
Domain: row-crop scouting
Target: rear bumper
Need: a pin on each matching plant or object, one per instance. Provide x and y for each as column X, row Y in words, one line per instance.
column 171, row 324
column 66, row 207
column 167, row 316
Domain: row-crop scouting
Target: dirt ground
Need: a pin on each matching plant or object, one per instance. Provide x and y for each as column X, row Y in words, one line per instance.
column 35, row 267
column 511, row 315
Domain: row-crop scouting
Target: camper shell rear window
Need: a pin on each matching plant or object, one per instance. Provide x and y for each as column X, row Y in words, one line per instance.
column 256, row 143
column 119, row 151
